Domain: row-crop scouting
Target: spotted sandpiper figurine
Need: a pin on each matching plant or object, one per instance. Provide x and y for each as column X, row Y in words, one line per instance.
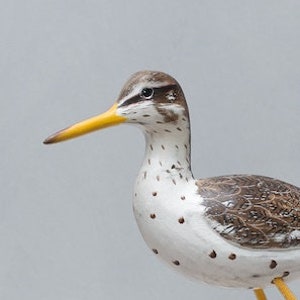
column 232, row 231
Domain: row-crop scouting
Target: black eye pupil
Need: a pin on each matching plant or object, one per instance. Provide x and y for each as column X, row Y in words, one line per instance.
column 147, row 93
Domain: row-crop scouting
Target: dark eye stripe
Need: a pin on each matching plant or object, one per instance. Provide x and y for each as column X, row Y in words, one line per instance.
column 137, row 98
column 131, row 100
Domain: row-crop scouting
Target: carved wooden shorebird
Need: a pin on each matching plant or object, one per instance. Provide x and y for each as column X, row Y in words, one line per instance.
column 233, row 231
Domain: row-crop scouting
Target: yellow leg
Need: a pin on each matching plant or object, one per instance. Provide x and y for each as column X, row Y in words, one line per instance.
column 260, row 294
column 284, row 289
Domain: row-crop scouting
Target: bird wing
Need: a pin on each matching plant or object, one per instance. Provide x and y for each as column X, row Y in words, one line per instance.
column 252, row 211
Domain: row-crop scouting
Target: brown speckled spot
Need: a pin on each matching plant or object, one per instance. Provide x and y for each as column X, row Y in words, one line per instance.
column 135, row 194
column 213, row 254
column 160, row 163
column 179, row 129
column 285, row 274
column 185, row 146
column 155, row 251
column 145, row 174
column 181, row 220
column 174, row 181
column 255, row 276
column 179, row 163
column 232, row 256
column 152, row 216
column 154, row 194
column 176, row 146
column 146, row 116
column 149, row 161
column 151, row 147
column 182, row 197
column 167, row 130
column 173, row 167
column 157, row 178
column 163, row 147
column 273, row 264
column 176, row 262
column 159, row 122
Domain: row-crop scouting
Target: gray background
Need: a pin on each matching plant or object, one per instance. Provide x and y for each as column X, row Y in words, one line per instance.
column 66, row 226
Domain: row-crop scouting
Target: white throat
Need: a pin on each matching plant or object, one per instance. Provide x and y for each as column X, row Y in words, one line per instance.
column 168, row 151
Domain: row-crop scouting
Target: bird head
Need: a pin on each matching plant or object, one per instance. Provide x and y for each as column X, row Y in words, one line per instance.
column 150, row 99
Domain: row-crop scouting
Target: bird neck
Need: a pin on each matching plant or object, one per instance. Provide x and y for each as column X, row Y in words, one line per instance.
column 168, row 149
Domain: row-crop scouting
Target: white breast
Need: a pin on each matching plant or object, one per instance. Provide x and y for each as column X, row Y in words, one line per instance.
column 170, row 217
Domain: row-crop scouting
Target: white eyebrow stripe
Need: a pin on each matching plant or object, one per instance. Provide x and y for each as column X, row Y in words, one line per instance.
column 138, row 87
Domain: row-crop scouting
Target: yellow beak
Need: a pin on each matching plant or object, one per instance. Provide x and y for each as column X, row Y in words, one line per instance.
column 107, row 119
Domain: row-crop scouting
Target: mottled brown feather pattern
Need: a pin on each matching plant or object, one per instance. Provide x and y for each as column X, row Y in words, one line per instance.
column 147, row 77
column 253, row 211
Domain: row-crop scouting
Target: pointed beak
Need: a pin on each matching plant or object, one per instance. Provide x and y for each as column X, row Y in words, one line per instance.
column 107, row 119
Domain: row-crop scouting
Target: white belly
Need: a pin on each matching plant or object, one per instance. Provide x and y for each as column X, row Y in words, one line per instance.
column 170, row 218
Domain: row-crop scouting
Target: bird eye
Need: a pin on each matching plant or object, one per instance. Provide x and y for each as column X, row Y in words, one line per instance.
column 147, row 93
